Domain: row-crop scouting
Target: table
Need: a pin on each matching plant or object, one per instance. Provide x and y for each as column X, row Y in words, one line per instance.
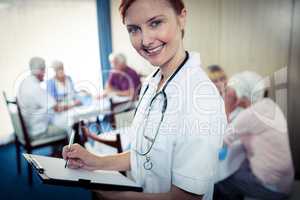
column 103, row 106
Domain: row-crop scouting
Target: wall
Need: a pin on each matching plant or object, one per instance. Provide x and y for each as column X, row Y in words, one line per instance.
column 293, row 89
column 53, row 29
column 236, row 34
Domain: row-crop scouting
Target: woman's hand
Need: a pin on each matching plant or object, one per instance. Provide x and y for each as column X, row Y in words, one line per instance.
column 76, row 103
column 79, row 157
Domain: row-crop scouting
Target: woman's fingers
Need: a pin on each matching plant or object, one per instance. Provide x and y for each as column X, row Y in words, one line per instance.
column 75, row 163
column 65, row 152
column 78, row 157
column 76, row 151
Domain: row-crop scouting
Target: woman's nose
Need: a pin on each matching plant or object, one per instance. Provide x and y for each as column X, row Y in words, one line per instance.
column 147, row 38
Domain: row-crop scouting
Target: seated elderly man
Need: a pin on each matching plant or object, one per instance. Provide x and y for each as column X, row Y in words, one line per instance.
column 260, row 126
column 36, row 104
column 123, row 80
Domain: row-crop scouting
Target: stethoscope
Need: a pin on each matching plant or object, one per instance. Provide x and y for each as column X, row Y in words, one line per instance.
column 148, row 163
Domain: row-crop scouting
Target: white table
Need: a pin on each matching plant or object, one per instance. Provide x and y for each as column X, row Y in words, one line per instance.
column 103, row 106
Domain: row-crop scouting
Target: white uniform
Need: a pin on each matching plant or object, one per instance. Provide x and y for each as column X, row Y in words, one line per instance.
column 185, row 151
column 35, row 104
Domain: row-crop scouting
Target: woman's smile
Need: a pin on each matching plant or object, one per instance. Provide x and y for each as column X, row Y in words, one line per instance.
column 154, row 51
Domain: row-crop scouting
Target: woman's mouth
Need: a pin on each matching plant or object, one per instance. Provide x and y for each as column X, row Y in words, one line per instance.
column 154, row 51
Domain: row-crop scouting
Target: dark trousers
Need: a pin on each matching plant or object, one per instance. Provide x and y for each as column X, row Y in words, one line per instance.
column 243, row 183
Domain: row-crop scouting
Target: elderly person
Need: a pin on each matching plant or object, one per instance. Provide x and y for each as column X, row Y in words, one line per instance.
column 123, row 80
column 36, row 104
column 61, row 86
column 267, row 172
column 218, row 76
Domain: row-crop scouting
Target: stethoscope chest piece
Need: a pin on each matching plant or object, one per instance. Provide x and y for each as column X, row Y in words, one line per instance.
column 148, row 164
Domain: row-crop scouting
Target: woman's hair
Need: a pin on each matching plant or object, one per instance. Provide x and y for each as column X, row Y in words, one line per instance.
column 177, row 5
column 215, row 72
column 248, row 84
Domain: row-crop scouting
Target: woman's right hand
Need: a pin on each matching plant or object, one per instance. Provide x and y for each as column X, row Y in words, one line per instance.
column 79, row 157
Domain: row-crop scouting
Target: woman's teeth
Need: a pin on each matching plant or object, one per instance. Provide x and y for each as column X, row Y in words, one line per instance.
column 154, row 50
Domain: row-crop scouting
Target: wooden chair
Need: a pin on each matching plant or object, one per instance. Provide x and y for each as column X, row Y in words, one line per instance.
column 122, row 113
column 22, row 139
column 112, row 142
column 118, row 118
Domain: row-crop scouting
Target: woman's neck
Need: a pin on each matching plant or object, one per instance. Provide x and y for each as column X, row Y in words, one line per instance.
column 62, row 80
column 170, row 67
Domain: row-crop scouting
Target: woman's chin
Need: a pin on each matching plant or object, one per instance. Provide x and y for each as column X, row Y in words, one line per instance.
column 153, row 60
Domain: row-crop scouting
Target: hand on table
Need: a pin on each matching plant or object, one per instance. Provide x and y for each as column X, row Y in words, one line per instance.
column 77, row 102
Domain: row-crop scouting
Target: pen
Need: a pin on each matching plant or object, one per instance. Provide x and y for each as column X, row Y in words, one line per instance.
column 69, row 146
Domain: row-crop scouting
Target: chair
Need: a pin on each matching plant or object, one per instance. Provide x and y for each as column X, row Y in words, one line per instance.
column 121, row 116
column 122, row 113
column 114, row 141
column 22, row 138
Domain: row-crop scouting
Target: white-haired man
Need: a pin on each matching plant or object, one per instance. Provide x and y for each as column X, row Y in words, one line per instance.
column 260, row 126
column 36, row 104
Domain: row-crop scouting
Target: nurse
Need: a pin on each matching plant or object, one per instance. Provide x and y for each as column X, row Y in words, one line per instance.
column 180, row 118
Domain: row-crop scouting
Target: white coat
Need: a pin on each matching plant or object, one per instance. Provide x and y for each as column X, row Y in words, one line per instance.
column 185, row 150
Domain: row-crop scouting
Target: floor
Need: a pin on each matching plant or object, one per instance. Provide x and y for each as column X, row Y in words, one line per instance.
column 15, row 187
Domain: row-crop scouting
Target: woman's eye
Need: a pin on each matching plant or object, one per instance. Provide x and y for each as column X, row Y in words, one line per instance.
column 154, row 24
column 132, row 30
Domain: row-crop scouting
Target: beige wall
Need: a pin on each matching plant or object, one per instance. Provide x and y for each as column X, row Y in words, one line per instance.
column 237, row 34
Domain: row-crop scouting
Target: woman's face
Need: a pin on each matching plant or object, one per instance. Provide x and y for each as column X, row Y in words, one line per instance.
column 59, row 73
column 220, row 83
column 155, row 30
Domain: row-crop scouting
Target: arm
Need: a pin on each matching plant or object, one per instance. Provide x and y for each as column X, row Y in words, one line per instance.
column 245, row 123
column 81, row 158
column 129, row 92
column 51, row 88
column 109, row 89
column 173, row 194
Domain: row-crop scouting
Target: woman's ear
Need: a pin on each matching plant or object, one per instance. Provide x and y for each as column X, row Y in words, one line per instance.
column 182, row 18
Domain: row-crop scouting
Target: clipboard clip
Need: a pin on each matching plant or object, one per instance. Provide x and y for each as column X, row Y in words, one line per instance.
column 84, row 181
column 36, row 165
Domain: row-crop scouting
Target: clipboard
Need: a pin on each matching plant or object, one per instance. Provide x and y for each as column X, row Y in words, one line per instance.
column 52, row 171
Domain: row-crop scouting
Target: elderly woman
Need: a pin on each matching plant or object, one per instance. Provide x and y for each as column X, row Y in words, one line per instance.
column 123, row 80
column 267, row 172
column 61, row 86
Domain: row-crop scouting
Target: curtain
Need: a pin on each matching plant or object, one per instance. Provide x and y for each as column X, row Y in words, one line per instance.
column 104, row 29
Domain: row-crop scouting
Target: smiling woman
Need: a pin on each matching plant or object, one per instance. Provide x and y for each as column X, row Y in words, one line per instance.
column 179, row 112
column 156, row 34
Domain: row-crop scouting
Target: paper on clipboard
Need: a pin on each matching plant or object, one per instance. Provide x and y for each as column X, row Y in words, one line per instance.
column 56, row 173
